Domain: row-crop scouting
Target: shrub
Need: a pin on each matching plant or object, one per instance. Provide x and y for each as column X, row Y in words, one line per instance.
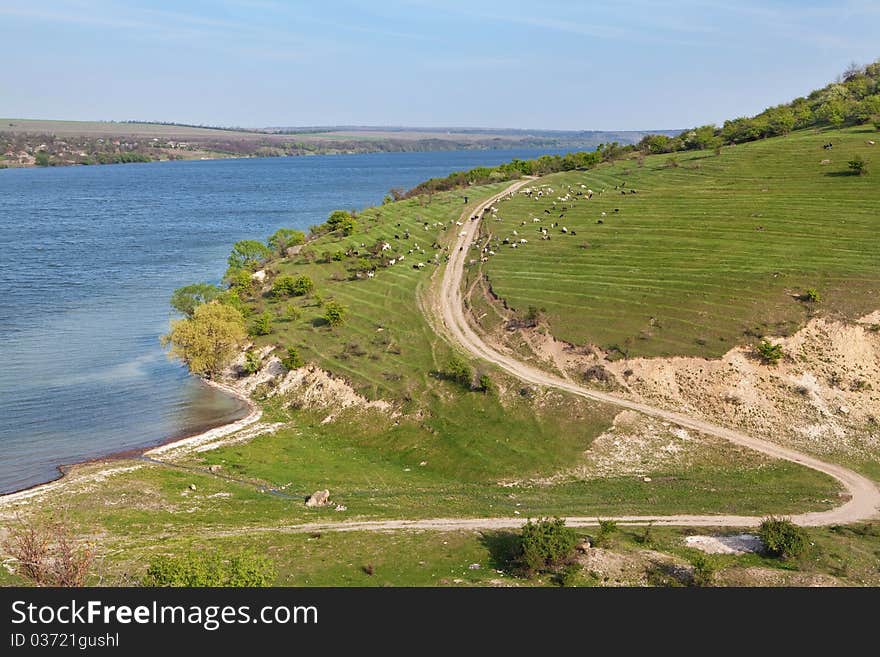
column 857, row 166
column 292, row 360
column 783, row 539
column 334, row 313
column 671, row 163
column 252, row 362
column 286, row 286
column 209, row 569
column 607, row 528
column 284, row 238
column 485, row 383
column 262, row 324
column 41, row 159
column 459, row 371
column 47, row 554
column 769, row 353
column 545, row 545
column 292, row 313
column 812, row 295
column 704, row 570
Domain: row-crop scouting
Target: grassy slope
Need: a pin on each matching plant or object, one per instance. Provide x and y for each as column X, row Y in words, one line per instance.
column 705, row 252
column 370, row 461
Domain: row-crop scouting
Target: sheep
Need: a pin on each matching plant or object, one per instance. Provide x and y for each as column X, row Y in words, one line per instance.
column 370, row 274
column 385, row 246
column 564, row 229
column 523, row 240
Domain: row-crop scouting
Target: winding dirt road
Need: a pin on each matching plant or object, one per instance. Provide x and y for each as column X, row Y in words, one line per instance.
column 864, row 502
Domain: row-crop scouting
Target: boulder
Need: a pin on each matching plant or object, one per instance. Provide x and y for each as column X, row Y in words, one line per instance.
column 318, row 498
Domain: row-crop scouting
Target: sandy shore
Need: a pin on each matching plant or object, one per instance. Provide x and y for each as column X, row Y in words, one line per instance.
column 119, row 463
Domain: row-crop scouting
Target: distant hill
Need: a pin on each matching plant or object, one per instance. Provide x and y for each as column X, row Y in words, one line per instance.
column 27, row 142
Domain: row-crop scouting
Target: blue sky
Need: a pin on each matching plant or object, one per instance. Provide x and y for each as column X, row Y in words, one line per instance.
column 627, row 64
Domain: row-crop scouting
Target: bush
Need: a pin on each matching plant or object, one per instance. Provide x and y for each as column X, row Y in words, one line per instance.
column 770, row 353
column 210, row 569
column 292, row 313
column 485, row 383
column 292, row 360
column 287, row 286
column 812, row 295
column 704, row 570
column 47, row 554
column 262, row 324
column 858, row 166
column 284, row 238
column 459, row 371
column 607, row 528
column 545, row 545
column 334, row 313
column 252, row 362
column 783, row 539
column 240, row 281
column 247, row 254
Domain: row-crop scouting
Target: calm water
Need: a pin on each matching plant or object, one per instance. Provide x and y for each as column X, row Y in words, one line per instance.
column 90, row 257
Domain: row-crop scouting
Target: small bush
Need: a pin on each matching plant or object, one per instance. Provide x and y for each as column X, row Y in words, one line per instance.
column 290, row 286
column 459, row 371
column 211, row 569
column 607, row 528
column 704, row 570
column 262, row 324
column 334, row 313
column 770, row 353
column 292, row 313
column 783, row 539
column 857, row 166
column 292, row 360
column 48, row 555
column 485, row 383
column 812, row 295
column 252, row 362
column 545, row 545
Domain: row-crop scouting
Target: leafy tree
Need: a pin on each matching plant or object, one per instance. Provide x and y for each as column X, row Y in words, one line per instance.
column 336, row 219
column 545, row 545
column 41, row 159
column 284, row 238
column 292, row 286
column 858, row 166
column 783, row 539
column 247, row 254
column 292, row 360
column 199, row 569
column 334, row 313
column 185, row 299
column 770, row 353
column 262, row 324
column 348, row 225
column 876, row 121
column 208, row 341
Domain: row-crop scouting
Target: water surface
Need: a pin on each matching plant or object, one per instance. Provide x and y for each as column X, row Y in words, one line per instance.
column 90, row 258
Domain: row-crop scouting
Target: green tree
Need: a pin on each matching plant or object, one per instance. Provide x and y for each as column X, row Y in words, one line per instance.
column 783, row 539
column 770, row 353
column 284, row 238
column 336, row 219
column 292, row 360
column 240, row 281
column 185, row 299
column 262, row 324
column 247, row 254
column 197, row 569
column 209, row 340
column 334, row 313
column 41, row 159
column 545, row 545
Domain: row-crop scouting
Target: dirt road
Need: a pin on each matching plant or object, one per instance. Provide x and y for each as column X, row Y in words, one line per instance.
column 864, row 502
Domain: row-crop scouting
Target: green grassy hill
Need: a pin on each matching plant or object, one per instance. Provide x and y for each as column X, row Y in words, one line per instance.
column 707, row 252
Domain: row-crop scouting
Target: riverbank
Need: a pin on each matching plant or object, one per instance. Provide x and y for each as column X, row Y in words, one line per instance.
column 178, row 445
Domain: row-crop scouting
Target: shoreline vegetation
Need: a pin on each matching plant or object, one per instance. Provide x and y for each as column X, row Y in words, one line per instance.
column 31, row 143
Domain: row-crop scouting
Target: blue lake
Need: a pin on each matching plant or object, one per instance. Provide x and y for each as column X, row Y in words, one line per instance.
column 90, row 258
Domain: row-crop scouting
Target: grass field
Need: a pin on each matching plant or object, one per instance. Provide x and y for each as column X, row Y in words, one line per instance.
column 709, row 252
